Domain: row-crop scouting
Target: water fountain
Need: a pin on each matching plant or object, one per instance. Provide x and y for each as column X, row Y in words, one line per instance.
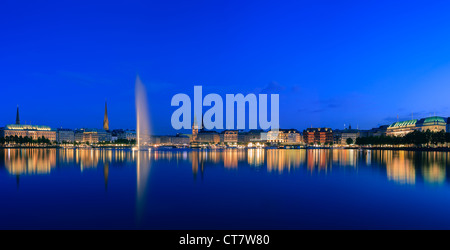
column 143, row 137
column 143, row 140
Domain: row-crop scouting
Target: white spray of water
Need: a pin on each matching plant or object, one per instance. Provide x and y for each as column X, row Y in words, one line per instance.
column 142, row 116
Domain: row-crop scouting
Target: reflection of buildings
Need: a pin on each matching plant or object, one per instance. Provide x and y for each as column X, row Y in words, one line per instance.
column 30, row 161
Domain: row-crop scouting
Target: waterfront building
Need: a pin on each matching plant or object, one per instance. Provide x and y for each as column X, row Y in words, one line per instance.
column 126, row 134
column 340, row 137
column 64, row 135
column 194, row 130
column 433, row 124
column 380, row 131
column 32, row 131
column 292, row 135
column 283, row 136
column 91, row 135
column 229, row 136
column 320, row 136
column 402, row 128
column 253, row 135
column 79, row 135
column 208, row 137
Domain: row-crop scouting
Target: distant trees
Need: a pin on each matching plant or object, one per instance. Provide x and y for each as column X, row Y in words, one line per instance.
column 416, row 138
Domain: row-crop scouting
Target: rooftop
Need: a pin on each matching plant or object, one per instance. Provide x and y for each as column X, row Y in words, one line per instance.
column 404, row 124
column 27, row 127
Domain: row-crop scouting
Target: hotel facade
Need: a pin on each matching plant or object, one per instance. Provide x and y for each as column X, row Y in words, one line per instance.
column 433, row 124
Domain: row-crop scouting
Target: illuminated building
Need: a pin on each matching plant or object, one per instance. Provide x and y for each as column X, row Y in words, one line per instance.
column 448, row 124
column 319, row 136
column 124, row 134
column 434, row 124
column 65, row 135
column 402, row 128
column 79, row 135
column 105, row 119
column 194, row 130
column 250, row 136
column 31, row 131
column 175, row 140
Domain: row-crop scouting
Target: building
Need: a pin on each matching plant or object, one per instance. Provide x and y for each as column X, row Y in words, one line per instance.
column 292, row 135
column 229, row 136
column 31, row 131
column 91, row 135
column 79, row 135
column 208, row 137
column 434, row 124
column 17, row 116
column 64, row 135
column 284, row 136
column 402, row 128
column 105, row 119
column 175, row 140
column 127, row 134
column 318, row 136
column 180, row 139
column 194, row 130
column 448, row 125
column 340, row 137
column 250, row 136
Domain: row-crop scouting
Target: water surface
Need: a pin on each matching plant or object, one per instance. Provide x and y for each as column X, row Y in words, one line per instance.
column 223, row 189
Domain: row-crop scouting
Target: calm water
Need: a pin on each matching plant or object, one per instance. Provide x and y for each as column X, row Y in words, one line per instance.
column 227, row 189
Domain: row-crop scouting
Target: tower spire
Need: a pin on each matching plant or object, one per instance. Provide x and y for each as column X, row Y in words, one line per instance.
column 105, row 120
column 17, row 116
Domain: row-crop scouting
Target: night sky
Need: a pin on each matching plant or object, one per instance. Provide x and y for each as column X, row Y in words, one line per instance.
column 332, row 62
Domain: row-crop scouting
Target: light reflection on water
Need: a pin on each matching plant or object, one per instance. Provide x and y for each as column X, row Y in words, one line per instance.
column 223, row 189
column 403, row 167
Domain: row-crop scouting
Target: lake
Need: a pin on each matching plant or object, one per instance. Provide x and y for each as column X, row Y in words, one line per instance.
column 223, row 189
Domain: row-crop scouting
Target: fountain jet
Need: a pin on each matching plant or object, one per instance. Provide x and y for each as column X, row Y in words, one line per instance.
column 142, row 116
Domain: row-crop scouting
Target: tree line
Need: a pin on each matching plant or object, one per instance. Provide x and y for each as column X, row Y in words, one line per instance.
column 24, row 140
column 417, row 138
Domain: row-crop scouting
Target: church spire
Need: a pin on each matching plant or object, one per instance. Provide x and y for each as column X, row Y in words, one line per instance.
column 17, row 116
column 105, row 120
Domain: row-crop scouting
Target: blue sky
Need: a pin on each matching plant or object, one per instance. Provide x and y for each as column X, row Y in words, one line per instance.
column 332, row 62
